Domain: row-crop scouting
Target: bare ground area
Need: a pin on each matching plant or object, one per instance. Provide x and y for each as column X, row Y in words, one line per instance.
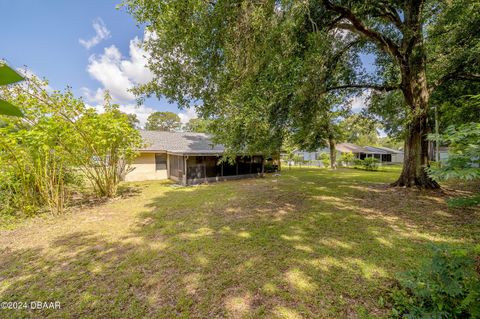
column 310, row 243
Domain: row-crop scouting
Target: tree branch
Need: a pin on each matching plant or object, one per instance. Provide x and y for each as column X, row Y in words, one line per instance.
column 391, row 15
column 384, row 88
column 468, row 76
column 357, row 26
column 474, row 77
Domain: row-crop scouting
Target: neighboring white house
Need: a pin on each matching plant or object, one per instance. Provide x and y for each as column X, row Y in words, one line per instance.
column 383, row 154
column 387, row 154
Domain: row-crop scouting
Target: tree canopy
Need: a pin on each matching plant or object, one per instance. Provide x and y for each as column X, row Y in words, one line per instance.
column 58, row 144
column 269, row 69
column 197, row 125
column 163, row 121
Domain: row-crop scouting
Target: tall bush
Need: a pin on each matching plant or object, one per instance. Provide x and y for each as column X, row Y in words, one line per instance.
column 35, row 168
column 107, row 148
column 59, row 142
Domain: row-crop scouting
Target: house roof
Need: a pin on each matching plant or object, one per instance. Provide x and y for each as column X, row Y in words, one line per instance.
column 376, row 150
column 349, row 147
column 180, row 143
column 386, row 149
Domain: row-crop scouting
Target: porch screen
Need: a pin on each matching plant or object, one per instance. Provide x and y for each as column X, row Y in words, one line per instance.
column 176, row 166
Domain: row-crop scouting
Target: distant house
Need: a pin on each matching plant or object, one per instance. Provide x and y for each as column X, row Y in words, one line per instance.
column 442, row 152
column 188, row 158
column 383, row 154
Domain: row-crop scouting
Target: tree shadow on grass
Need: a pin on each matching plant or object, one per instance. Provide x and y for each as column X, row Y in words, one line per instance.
column 293, row 247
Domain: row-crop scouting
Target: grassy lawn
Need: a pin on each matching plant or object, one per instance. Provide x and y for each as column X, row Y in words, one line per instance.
column 310, row 243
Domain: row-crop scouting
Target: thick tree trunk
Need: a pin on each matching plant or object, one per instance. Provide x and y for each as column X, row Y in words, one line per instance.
column 416, row 158
column 333, row 153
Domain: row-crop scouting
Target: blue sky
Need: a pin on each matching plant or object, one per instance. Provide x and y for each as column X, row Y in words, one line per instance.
column 57, row 39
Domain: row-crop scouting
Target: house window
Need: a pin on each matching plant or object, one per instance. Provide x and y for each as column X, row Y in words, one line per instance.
column 160, row 162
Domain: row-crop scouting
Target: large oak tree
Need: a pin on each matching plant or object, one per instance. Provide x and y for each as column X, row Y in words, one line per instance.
column 264, row 69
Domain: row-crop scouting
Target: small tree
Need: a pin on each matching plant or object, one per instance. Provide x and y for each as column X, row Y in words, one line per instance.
column 325, row 159
column 106, row 146
column 36, row 171
column 163, row 121
column 347, row 158
column 42, row 154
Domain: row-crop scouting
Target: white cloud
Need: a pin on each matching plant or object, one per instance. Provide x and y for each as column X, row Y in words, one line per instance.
column 101, row 33
column 135, row 68
column 359, row 102
column 117, row 74
column 106, row 68
column 187, row 115
column 93, row 97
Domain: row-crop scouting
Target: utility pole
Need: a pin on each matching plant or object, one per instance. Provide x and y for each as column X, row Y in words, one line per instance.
column 437, row 137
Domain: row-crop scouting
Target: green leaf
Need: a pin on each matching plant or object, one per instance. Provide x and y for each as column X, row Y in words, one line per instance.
column 9, row 109
column 9, row 75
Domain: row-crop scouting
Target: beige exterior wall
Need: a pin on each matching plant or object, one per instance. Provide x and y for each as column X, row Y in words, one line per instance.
column 144, row 169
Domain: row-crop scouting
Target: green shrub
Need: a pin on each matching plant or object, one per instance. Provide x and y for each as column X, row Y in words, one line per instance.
column 463, row 161
column 325, row 159
column 348, row 158
column 369, row 163
column 448, row 286
column 358, row 162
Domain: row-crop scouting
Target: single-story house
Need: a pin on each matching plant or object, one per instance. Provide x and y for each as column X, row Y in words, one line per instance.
column 383, row 154
column 188, row 158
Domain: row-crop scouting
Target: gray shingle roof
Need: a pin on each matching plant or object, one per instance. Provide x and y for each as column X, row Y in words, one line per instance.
column 180, row 143
column 386, row 149
column 349, row 147
column 376, row 150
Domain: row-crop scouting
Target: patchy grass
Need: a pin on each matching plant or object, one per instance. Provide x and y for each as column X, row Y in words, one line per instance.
column 310, row 243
